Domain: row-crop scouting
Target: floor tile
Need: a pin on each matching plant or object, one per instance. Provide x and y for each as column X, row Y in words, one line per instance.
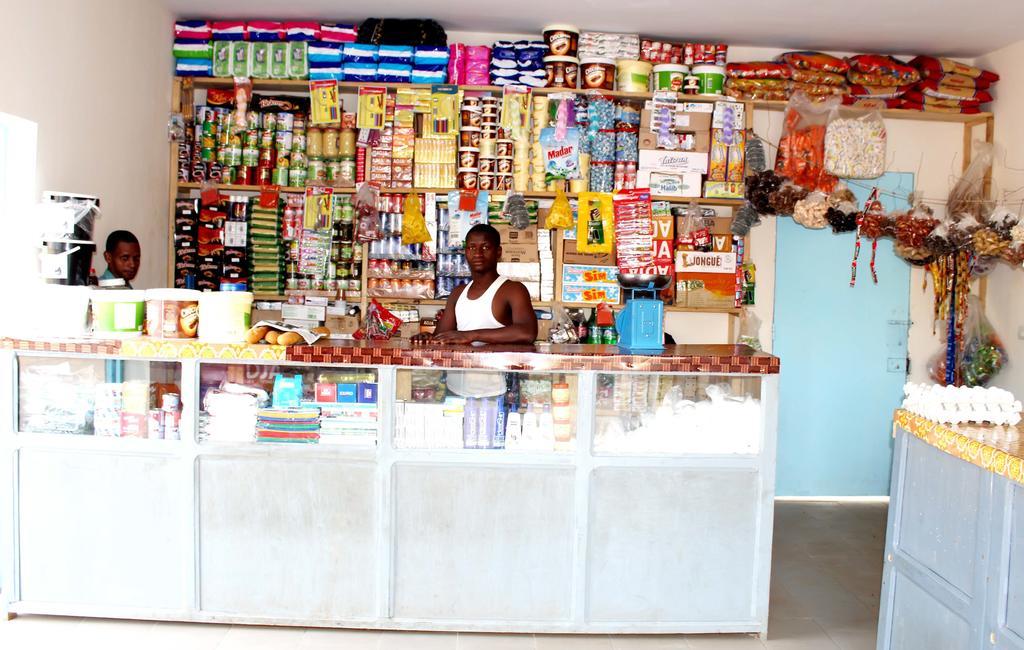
column 194, row 636
column 573, row 642
column 723, row 642
column 798, row 634
column 649, row 642
column 853, row 637
column 336, row 639
column 470, row 641
column 418, row 641
column 248, row 637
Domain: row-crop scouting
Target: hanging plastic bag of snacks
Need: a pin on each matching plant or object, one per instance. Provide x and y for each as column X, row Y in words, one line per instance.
column 801, row 156
column 379, row 324
column 982, row 354
column 515, row 211
column 855, row 145
column 560, row 214
column 365, row 204
column 811, row 211
column 414, row 226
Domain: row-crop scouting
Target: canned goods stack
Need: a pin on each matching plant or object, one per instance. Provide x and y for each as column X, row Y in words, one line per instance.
column 346, row 265
column 399, row 270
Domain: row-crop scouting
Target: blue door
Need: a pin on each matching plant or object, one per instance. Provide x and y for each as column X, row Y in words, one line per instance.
column 843, row 354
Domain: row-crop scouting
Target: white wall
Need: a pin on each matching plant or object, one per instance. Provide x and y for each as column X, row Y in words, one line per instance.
column 1005, row 302
column 95, row 75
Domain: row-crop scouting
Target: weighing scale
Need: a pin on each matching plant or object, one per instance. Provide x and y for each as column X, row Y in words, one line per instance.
column 641, row 323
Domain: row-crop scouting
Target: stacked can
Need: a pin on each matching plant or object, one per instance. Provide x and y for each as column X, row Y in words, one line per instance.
column 627, row 144
column 229, row 147
column 205, row 166
column 298, row 172
column 470, row 137
column 345, row 267
column 601, row 136
column 248, row 172
column 538, row 183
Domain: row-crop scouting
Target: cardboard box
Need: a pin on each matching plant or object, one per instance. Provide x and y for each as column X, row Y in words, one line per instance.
column 585, row 274
column 675, row 162
column 304, row 312
column 342, row 324
column 571, row 256
column 347, row 393
column 326, row 392
column 518, row 245
column 591, row 294
column 699, row 141
column 366, row 393
column 662, row 183
column 706, row 280
column 687, row 117
column 721, row 235
column 723, row 190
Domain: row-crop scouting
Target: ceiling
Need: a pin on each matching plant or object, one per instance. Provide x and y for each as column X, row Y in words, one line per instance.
column 949, row 27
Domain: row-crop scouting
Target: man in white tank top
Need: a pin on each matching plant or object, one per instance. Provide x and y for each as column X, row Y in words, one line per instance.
column 490, row 309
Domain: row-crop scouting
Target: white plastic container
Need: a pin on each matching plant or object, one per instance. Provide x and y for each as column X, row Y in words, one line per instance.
column 633, row 76
column 670, row 76
column 711, row 79
column 47, row 311
column 118, row 313
column 224, row 316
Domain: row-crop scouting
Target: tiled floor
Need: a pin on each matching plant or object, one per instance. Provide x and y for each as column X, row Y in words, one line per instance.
column 826, row 575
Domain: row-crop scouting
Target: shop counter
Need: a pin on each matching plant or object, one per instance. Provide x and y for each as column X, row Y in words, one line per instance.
column 495, row 488
column 954, row 563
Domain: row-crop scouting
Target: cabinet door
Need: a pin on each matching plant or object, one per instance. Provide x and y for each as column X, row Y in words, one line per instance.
column 288, row 537
column 672, row 545
column 101, row 529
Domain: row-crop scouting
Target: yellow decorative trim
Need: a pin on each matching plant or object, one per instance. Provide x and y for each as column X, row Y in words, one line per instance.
column 192, row 349
column 999, row 456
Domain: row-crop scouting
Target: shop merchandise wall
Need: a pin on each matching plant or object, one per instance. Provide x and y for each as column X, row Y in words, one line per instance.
column 96, row 78
column 1006, row 285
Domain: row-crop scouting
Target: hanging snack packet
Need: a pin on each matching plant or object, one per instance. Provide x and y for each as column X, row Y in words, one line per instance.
column 560, row 214
column 368, row 219
column 855, row 146
column 801, row 156
column 414, row 226
column 595, row 223
column 379, row 325
column 515, row 211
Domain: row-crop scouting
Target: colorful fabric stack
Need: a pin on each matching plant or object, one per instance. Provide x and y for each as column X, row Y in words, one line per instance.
column 288, row 425
column 948, row 86
column 265, row 254
column 430, row 64
column 519, row 63
column 326, row 60
column 193, row 48
column 265, row 31
column 878, row 81
column 302, row 31
column 361, row 60
column 229, row 30
column 395, row 63
column 338, row 33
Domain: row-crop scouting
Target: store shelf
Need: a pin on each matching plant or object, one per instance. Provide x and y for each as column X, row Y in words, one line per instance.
column 732, row 311
column 302, row 85
column 897, row 114
column 444, row 190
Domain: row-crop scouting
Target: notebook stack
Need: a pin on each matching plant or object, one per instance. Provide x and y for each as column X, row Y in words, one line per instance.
column 288, row 425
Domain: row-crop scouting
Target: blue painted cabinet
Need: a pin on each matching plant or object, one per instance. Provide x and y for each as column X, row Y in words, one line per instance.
column 954, row 561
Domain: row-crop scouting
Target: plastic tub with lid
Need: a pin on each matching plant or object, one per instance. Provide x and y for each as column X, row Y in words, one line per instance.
column 224, row 316
column 118, row 312
column 172, row 313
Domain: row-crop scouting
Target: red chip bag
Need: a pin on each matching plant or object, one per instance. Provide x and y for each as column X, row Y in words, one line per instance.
column 818, row 89
column 936, row 67
column 758, row 70
column 875, row 79
column 815, row 61
column 887, row 66
column 819, row 77
column 961, row 81
column 930, row 108
column 878, row 92
column 916, row 97
column 934, row 88
column 872, row 103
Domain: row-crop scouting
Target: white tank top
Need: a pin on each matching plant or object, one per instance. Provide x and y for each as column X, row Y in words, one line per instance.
column 478, row 314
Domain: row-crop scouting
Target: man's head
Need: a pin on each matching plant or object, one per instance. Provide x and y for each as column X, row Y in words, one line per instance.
column 483, row 248
column 122, row 254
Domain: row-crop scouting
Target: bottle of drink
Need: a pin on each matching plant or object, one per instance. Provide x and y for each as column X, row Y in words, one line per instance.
column 582, row 331
column 593, row 329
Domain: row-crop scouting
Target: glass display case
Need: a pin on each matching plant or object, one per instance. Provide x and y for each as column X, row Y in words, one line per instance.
column 243, row 403
column 99, row 397
column 677, row 414
column 485, row 409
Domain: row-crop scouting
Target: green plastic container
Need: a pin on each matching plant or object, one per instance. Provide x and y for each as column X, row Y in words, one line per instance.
column 118, row 312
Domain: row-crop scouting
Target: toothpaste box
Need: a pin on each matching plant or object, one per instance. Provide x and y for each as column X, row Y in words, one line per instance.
column 676, row 162
column 591, row 294
column 590, row 275
column 706, row 280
